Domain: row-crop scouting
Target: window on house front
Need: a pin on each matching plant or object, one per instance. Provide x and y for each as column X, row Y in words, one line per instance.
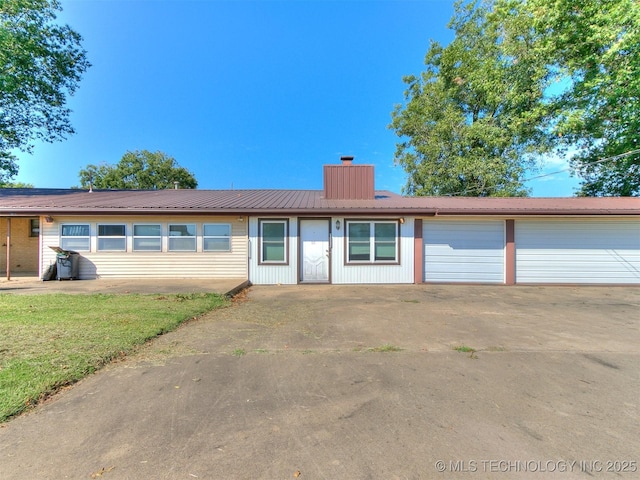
column 34, row 230
column 75, row 237
column 147, row 238
column 372, row 242
column 182, row 237
column 216, row 237
column 112, row 238
column 273, row 237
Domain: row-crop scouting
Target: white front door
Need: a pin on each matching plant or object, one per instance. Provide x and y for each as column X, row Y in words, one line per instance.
column 314, row 244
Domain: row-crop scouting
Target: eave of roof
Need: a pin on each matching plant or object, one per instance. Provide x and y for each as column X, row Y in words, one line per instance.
column 31, row 202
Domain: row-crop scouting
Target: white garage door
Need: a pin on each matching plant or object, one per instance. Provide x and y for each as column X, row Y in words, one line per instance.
column 593, row 251
column 463, row 251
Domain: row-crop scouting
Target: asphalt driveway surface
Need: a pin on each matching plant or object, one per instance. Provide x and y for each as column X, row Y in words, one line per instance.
column 328, row 382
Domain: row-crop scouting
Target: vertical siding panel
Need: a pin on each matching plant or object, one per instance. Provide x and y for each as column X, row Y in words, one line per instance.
column 349, row 182
column 273, row 274
column 373, row 274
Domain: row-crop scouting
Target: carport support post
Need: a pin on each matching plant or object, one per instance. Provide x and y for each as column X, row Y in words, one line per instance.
column 8, row 248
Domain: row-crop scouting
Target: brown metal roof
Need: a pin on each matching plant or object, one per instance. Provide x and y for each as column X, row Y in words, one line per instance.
column 25, row 202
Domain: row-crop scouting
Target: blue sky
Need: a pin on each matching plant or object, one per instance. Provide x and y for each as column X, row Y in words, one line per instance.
column 247, row 94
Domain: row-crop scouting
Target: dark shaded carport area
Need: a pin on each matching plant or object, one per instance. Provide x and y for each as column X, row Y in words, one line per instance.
column 360, row 382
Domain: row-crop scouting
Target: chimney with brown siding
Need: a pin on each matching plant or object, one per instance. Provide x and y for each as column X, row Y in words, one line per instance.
column 348, row 182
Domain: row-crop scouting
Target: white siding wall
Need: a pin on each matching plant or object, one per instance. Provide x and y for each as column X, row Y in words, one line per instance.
column 164, row 264
column 340, row 273
column 273, row 274
column 577, row 251
column 355, row 274
column 464, row 250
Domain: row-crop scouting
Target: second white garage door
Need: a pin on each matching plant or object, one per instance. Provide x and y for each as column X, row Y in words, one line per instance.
column 577, row 251
column 463, row 251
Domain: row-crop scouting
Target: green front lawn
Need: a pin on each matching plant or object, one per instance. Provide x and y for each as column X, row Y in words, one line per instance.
column 48, row 341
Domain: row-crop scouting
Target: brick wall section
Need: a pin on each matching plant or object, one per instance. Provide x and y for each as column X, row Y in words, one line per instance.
column 24, row 249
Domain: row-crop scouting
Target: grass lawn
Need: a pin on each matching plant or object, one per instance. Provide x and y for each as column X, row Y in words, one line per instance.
column 48, row 341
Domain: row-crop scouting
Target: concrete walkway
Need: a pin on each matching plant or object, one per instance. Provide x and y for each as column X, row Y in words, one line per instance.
column 32, row 285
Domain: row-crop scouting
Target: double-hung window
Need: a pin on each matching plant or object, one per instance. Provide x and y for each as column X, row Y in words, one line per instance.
column 112, row 238
column 372, row 242
column 75, row 237
column 147, row 238
column 273, row 238
column 182, row 237
column 216, row 237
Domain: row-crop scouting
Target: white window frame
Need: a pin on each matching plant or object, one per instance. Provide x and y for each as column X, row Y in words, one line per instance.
column 64, row 244
column 206, row 237
column 123, row 237
column 372, row 243
column 182, row 237
column 136, row 237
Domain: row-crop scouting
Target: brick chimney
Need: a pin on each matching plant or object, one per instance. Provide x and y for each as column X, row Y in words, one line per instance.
column 348, row 181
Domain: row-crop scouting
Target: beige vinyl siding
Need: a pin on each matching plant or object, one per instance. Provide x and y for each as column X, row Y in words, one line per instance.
column 165, row 264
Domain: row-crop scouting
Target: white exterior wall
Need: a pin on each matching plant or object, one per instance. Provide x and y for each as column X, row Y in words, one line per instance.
column 342, row 273
column 163, row 264
column 577, row 251
column 273, row 274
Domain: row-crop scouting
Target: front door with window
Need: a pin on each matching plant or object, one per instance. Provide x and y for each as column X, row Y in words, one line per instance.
column 315, row 250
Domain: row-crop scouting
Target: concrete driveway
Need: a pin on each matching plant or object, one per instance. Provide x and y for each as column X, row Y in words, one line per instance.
column 358, row 382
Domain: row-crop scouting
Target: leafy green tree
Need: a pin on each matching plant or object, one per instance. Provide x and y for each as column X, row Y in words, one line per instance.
column 472, row 122
column 596, row 44
column 592, row 48
column 522, row 78
column 138, row 170
column 15, row 185
column 41, row 63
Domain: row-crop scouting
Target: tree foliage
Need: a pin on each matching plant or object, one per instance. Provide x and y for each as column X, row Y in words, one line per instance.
column 41, row 63
column 596, row 44
column 523, row 78
column 138, row 170
column 472, row 121
column 15, row 185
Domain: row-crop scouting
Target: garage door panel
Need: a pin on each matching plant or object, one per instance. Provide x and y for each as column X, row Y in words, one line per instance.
column 577, row 252
column 463, row 251
column 465, row 258
column 464, row 277
column 465, row 267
